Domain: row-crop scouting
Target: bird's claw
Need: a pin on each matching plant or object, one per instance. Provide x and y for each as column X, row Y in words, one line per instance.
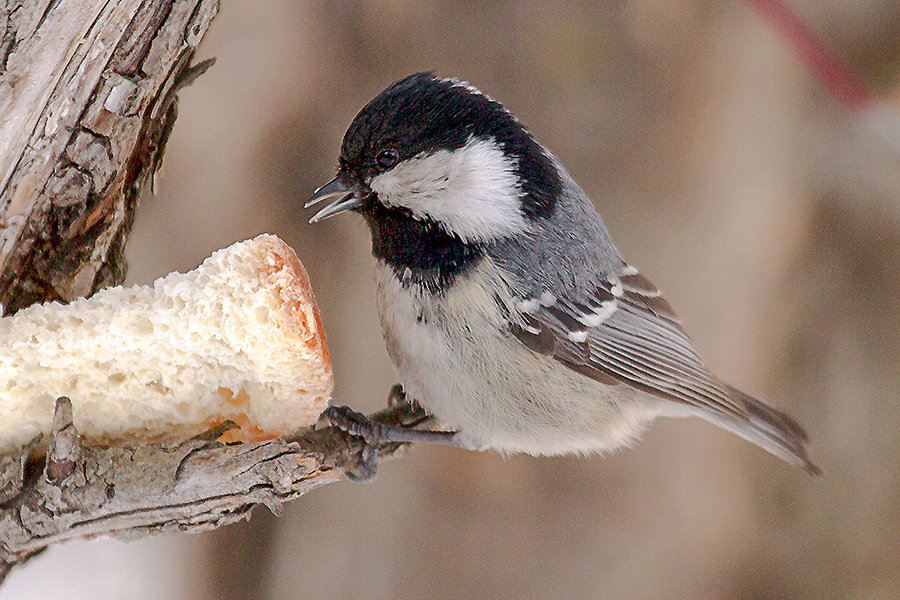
column 357, row 424
column 375, row 435
column 365, row 466
column 354, row 423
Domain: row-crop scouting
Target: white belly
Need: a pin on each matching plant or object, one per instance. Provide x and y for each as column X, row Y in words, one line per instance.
column 454, row 356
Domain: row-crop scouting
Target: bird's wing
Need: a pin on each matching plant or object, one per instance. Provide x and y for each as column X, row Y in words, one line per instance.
column 623, row 331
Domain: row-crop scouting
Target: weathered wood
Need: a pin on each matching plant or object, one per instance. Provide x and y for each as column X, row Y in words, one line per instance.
column 78, row 492
column 87, row 98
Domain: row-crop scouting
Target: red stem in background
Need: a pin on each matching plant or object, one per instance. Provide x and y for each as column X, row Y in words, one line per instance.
column 840, row 80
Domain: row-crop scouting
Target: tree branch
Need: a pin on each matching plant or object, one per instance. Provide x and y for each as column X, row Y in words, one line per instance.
column 79, row 492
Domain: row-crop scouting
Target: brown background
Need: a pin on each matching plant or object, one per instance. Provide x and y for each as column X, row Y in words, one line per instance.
column 768, row 214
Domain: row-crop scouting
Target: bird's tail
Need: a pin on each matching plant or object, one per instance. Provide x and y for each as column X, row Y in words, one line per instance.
column 769, row 429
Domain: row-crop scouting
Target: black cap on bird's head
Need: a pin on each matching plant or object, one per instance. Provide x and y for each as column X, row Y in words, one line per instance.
column 421, row 113
column 424, row 115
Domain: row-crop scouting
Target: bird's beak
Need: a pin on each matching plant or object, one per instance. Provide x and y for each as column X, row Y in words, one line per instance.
column 349, row 197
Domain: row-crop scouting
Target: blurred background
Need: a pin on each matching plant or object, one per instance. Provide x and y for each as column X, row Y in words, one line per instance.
column 767, row 211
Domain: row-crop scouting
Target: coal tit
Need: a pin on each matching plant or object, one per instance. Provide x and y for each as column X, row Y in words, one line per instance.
column 505, row 307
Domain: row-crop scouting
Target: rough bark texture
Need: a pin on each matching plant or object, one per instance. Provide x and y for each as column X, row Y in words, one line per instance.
column 78, row 492
column 87, row 100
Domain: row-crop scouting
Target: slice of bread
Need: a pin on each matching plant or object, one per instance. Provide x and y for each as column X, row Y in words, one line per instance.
column 238, row 338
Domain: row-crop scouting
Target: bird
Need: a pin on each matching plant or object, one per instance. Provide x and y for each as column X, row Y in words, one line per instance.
column 505, row 307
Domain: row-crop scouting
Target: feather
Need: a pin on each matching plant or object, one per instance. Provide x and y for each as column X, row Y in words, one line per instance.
column 627, row 332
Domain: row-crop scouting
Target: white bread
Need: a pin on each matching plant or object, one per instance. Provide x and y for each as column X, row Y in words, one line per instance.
column 237, row 338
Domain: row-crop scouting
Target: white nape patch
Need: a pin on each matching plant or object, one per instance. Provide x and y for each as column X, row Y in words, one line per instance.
column 600, row 314
column 472, row 191
column 547, row 299
column 578, row 336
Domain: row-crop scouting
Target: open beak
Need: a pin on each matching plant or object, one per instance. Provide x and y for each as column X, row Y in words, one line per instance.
column 348, row 198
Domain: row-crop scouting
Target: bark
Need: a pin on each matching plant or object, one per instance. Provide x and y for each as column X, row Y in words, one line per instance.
column 87, row 100
column 78, row 492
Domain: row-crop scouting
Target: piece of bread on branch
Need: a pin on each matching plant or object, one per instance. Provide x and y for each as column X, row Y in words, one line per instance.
column 237, row 338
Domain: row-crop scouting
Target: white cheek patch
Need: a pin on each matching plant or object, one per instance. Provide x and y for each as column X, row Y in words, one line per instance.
column 472, row 191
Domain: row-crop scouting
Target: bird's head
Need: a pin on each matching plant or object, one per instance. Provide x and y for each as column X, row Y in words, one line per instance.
column 438, row 151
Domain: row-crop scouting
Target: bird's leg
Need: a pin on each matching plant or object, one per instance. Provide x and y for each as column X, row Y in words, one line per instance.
column 375, row 434
column 358, row 424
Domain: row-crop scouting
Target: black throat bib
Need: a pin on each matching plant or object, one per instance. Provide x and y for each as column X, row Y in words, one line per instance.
column 419, row 251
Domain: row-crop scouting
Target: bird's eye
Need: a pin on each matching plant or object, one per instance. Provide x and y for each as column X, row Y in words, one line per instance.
column 387, row 159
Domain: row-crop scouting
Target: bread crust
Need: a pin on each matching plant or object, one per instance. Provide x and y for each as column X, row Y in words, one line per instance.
column 297, row 295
